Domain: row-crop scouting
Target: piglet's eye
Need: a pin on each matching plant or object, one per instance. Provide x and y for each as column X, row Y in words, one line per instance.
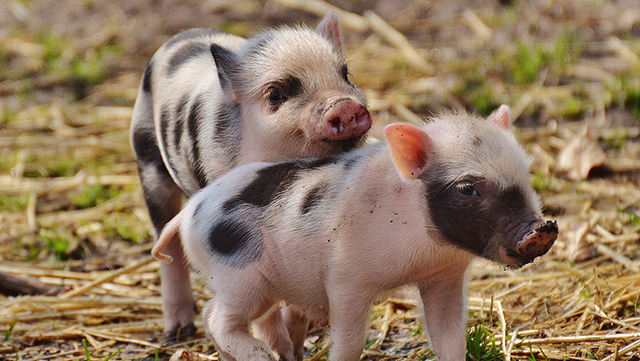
column 467, row 189
column 275, row 97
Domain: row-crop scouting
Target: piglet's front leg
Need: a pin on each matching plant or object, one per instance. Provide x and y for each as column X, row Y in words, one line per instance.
column 445, row 313
column 348, row 319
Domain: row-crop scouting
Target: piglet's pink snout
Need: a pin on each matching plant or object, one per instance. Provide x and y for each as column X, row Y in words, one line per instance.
column 539, row 240
column 346, row 119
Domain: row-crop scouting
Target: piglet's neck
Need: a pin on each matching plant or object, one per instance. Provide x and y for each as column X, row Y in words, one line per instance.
column 390, row 214
column 256, row 146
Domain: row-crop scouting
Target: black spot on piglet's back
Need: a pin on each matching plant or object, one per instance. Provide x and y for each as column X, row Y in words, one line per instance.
column 236, row 243
column 272, row 181
column 313, row 197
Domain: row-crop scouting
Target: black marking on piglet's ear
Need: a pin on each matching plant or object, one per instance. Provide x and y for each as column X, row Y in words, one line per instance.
column 226, row 63
column 236, row 243
column 185, row 54
column 314, row 197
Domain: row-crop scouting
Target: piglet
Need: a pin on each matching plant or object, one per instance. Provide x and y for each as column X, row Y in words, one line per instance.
column 327, row 235
column 209, row 101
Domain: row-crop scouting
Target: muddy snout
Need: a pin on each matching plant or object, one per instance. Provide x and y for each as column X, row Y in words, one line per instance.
column 538, row 241
column 345, row 119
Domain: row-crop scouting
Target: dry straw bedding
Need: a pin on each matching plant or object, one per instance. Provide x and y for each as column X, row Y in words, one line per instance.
column 579, row 302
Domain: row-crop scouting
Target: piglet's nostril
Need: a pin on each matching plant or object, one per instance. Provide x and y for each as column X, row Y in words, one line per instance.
column 335, row 123
column 346, row 119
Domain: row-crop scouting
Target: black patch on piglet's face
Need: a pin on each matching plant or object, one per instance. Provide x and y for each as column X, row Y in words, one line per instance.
column 280, row 91
column 235, row 243
column 475, row 215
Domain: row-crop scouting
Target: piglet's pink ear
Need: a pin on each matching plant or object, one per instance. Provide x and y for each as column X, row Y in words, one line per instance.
column 330, row 30
column 501, row 117
column 410, row 149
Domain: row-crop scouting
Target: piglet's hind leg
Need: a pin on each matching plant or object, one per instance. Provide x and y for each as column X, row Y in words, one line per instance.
column 297, row 324
column 226, row 322
column 271, row 329
column 164, row 200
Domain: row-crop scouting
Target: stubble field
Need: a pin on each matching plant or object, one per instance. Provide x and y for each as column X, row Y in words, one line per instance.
column 74, row 225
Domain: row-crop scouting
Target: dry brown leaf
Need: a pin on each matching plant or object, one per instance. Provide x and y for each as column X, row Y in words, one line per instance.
column 184, row 355
column 577, row 249
column 581, row 155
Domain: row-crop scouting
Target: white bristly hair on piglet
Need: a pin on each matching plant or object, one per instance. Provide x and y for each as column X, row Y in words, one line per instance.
column 327, row 235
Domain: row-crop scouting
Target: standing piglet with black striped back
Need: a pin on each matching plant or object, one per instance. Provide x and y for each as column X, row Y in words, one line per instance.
column 328, row 235
column 209, row 101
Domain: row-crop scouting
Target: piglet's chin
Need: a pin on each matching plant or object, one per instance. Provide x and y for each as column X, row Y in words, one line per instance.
column 506, row 257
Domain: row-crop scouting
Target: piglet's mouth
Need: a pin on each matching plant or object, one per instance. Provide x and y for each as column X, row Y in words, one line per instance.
column 534, row 244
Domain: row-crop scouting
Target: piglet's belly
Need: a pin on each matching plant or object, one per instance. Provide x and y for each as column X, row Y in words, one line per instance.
column 309, row 298
column 318, row 315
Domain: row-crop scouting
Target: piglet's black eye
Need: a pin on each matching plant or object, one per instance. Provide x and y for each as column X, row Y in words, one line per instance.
column 282, row 90
column 467, row 189
column 275, row 97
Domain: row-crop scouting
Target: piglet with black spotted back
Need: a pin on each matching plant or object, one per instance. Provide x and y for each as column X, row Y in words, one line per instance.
column 327, row 235
column 210, row 101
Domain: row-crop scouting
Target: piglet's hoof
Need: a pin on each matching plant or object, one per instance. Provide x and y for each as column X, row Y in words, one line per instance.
column 181, row 333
